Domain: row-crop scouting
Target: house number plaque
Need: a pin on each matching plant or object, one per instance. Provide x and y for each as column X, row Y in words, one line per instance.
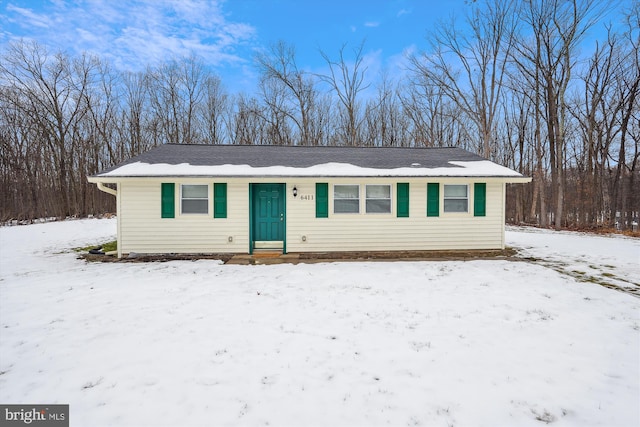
column 306, row 197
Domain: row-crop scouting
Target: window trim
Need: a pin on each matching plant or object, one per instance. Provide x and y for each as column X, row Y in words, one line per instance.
column 390, row 199
column 182, row 199
column 445, row 198
column 334, row 199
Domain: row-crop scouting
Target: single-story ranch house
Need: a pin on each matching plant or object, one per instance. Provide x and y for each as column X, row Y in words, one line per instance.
column 240, row 198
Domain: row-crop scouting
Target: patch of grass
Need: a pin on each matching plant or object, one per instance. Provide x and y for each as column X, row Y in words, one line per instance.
column 582, row 276
column 106, row 247
column 110, row 246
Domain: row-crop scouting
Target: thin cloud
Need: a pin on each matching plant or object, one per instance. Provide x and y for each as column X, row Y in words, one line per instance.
column 28, row 18
column 403, row 12
column 134, row 34
column 398, row 65
column 371, row 24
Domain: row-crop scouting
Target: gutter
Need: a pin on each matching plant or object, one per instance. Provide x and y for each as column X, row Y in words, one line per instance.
column 106, row 189
column 505, row 178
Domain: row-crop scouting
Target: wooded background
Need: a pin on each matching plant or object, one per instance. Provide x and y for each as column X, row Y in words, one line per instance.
column 511, row 83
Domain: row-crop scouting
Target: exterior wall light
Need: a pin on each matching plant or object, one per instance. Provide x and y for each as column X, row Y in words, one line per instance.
column 295, row 191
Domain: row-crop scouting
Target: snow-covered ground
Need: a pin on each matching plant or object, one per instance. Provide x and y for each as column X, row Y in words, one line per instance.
column 607, row 259
column 479, row 343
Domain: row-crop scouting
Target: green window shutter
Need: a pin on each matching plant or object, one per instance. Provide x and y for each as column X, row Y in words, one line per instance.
column 402, row 200
column 168, row 198
column 322, row 200
column 433, row 199
column 220, row 200
column 479, row 199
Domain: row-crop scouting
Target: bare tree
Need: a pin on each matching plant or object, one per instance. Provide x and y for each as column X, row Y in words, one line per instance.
column 216, row 105
column 275, row 114
column 176, row 90
column 436, row 120
column 247, row 122
column 135, row 115
column 529, row 104
column 597, row 113
column 518, row 150
column 469, row 68
column 556, row 28
column 280, row 74
column 385, row 123
column 347, row 81
column 626, row 196
column 49, row 90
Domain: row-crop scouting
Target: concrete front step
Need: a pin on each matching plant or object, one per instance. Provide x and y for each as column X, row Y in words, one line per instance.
column 263, row 258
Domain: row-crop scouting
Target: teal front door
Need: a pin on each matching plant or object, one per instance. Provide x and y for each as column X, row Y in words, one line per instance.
column 268, row 215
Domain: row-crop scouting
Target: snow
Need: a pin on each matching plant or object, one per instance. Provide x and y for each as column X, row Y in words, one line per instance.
column 478, row 343
column 481, row 168
column 612, row 259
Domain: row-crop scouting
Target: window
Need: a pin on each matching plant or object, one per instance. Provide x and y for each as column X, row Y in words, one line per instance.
column 456, row 198
column 378, row 199
column 195, row 199
column 346, row 199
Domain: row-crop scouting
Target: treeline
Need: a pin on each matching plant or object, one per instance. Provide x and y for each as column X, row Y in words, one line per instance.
column 509, row 83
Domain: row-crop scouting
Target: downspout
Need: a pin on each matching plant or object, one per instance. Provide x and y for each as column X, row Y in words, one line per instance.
column 102, row 187
column 504, row 212
column 106, row 189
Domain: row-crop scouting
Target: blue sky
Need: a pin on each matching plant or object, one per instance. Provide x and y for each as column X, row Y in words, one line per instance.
column 225, row 34
column 134, row 33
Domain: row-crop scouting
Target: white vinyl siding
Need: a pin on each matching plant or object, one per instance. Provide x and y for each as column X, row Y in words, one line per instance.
column 369, row 232
column 142, row 230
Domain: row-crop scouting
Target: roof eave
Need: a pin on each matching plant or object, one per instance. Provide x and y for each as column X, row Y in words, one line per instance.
column 109, row 178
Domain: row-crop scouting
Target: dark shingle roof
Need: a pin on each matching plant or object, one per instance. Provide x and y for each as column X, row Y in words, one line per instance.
column 301, row 156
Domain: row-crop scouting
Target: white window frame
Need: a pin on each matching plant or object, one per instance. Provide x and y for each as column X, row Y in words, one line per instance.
column 366, row 199
column 445, row 198
column 339, row 199
column 182, row 199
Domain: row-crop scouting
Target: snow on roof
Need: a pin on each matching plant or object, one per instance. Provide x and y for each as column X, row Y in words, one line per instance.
column 289, row 161
column 481, row 168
